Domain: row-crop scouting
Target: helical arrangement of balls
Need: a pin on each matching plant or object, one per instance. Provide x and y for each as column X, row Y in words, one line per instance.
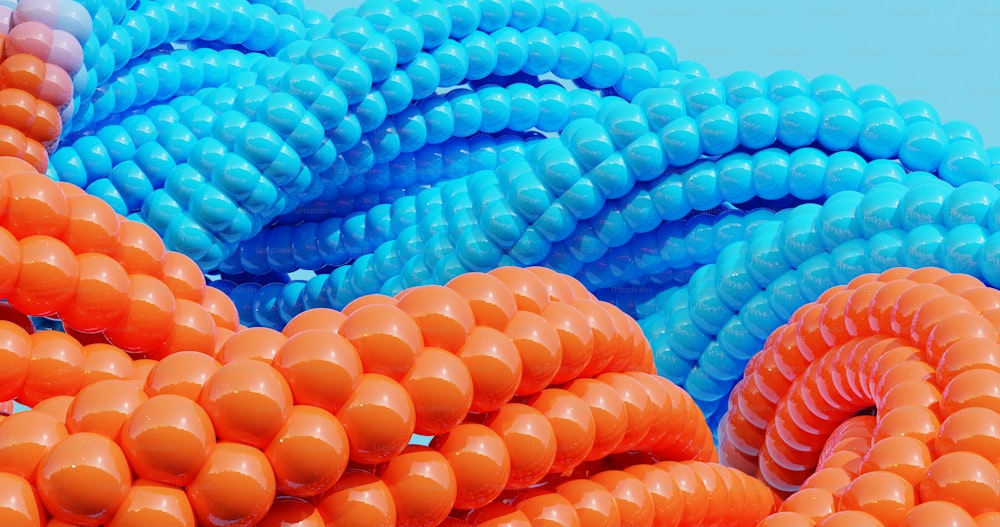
column 478, row 262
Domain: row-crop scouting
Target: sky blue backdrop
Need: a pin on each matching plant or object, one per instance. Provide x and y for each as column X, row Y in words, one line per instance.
column 946, row 53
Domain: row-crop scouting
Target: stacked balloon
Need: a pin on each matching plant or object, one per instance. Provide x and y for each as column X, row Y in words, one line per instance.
column 764, row 230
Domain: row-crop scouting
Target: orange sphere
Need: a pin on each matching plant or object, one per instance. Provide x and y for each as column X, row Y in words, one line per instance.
column 103, row 407
column 989, row 519
column 142, row 250
column 965, row 479
column 318, row 318
column 609, row 411
column 93, row 226
column 668, row 504
column 48, row 279
column 379, row 418
column 480, row 461
column 83, row 479
column 102, row 299
column 594, row 503
column 150, row 503
column 490, row 299
column 498, row 514
column 906, row 457
column 56, row 367
column 149, row 320
column 692, row 490
column 529, row 291
column 15, row 359
column 976, row 388
column 850, row 519
column 602, row 326
column 967, row 354
column 911, row 421
column 956, row 327
column 884, row 495
column 358, row 499
column 104, row 362
column 386, row 338
column 573, row 424
column 193, row 330
column 786, row 519
column 57, row 407
column 321, row 367
column 252, row 343
column 24, row 439
column 183, row 374
column 813, row 503
column 234, row 488
column 310, row 452
column 443, row 315
column 248, row 402
column 538, row 344
column 972, row 429
column 183, row 276
column 221, row 308
column 368, row 300
column 19, row 506
column 530, row 441
column 37, row 206
column 635, row 505
column 555, row 283
column 638, row 413
column 546, row 509
column 939, row 514
column 495, row 366
column 441, row 388
column 575, row 336
column 423, row 487
column 292, row 512
column 168, row 439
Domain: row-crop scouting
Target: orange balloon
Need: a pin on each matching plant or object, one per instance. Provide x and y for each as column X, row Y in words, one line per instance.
column 546, row 509
column 635, row 505
column 441, row 388
column 938, row 514
column 834, row 479
column 235, row 487
column 183, row 276
column 594, row 504
column 248, row 402
column 221, row 308
column 884, row 495
column 575, row 336
column 368, row 300
column 321, row 367
column 555, row 283
column 966, row 354
column 15, row 359
column 813, row 503
column 639, row 414
column 48, row 279
column 786, row 519
column 104, row 362
column 183, row 374
column 956, row 327
column 692, row 490
column 56, row 367
column 850, row 519
column 906, row 457
column 934, row 311
column 252, row 343
column 358, row 499
column 423, row 487
column 573, row 423
column 972, row 429
column 609, row 411
column 379, row 418
column 168, row 439
column 480, row 461
column 539, row 347
column 19, row 506
column 37, row 206
column 965, row 479
column 93, row 226
column 318, row 318
column 530, row 440
column 989, row 519
column 142, row 250
column 978, row 387
column 24, row 439
column 193, row 330
column 912, row 421
column 140, row 371
column 151, row 503
column 495, row 366
column 310, row 452
column 386, row 338
column 499, row 514
column 102, row 298
column 149, row 320
column 443, row 315
column 668, row 503
column 491, row 300
column 530, row 293
column 602, row 327
column 103, row 407
column 292, row 512
column 57, row 407
column 83, row 479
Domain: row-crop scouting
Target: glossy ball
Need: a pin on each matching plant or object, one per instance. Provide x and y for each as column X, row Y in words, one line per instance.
column 83, row 479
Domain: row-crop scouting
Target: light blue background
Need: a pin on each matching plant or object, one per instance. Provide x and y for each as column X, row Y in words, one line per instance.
column 945, row 53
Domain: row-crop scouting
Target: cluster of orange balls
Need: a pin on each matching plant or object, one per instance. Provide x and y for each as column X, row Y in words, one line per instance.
column 540, row 400
column 878, row 405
